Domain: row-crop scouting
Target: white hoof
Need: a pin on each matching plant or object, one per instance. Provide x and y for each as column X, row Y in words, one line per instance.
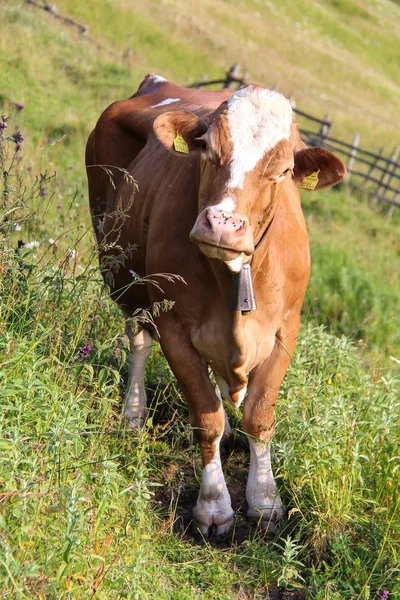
column 205, row 518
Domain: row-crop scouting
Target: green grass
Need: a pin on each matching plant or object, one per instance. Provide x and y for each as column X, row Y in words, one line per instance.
column 88, row 506
column 355, row 272
column 90, row 509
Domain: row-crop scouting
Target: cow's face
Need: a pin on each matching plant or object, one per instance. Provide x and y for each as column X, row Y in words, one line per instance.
column 250, row 154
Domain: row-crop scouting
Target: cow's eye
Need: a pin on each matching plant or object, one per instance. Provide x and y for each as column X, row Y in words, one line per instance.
column 203, row 144
column 282, row 177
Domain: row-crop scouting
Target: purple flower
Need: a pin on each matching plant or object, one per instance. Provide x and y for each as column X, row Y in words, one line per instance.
column 17, row 137
column 43, row 192
column 19, row 105
column 84, row 352
column 383, row 595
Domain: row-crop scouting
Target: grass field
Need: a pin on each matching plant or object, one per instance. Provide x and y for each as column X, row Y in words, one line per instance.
column 90, row 509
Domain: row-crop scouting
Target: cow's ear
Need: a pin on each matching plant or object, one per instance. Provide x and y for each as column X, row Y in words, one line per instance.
column 178, row 131
column 317, row 168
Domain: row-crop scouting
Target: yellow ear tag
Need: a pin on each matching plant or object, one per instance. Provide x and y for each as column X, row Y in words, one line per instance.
column 310, row 182
column 180, row 145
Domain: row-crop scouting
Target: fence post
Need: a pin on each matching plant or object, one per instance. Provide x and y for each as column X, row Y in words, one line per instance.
column 387, row 175
column 325, row 129
column 395, row 200
column 202, row 80
column 231, row 77
column 353, row 152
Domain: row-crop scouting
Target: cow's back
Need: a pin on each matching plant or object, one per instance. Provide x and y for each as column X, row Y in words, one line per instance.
column 125, row 127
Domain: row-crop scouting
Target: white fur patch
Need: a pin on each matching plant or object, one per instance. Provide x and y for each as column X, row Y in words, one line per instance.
column 135, row 401
column 158, row 78
column 261, row 491
column 236, row 264
column 213, row 505
column 258, row 120
column 167, row 101
column 227, row 205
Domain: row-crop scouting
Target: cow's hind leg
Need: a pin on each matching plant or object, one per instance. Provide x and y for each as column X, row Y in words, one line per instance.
column 207, row 417
column 264, row 503
column 135, row 400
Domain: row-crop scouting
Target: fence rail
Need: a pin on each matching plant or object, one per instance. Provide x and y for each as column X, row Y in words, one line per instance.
column 372, row 173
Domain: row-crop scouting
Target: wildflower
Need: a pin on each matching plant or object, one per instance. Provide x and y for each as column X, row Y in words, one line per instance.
column 3, row 122
column 394, row 359
column 338, row 375
column 72, row 253
column 51, row 240
column 134, row 275
column 84, row 352
column 329, row 381
column 43, row 192
column 19, row 106
column 32, row 244
column 383, row 595
column 18, row 227
column 17, row 137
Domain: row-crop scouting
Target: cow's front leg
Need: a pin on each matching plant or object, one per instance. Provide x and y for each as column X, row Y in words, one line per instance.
column 264, row 503
column 213, row 507
column 207, row 417
column 135, row 400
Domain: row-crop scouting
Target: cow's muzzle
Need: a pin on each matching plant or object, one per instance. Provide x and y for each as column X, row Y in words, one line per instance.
column 222, row 235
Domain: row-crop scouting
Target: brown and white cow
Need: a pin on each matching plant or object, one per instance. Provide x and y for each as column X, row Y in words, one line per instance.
column 217, row 188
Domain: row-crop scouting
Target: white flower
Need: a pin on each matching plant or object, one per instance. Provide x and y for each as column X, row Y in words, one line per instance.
column 134, row 275
column 396, row 360
column 51, row 241
column 32, row 244
column 18, row 227
column 72, row 253
column 77, row 204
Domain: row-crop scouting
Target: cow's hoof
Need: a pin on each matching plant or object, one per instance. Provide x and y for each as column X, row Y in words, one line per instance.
column 267, row 519
column 205, row 525
column 136, row 422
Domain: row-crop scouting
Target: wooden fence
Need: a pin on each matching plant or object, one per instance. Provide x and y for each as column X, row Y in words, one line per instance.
column 371, row 173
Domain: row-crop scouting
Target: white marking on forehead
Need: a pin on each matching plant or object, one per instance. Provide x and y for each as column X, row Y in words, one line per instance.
column 167, row 101
column 258, row 120
column 158, row 78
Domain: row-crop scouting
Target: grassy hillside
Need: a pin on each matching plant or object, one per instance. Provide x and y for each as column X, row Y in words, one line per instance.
column 335, row 56
column 92, row 510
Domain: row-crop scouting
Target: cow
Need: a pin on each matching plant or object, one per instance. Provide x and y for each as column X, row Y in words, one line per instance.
column 204, row 185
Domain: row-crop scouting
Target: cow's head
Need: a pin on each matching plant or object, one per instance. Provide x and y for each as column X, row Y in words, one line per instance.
column 251, row 153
